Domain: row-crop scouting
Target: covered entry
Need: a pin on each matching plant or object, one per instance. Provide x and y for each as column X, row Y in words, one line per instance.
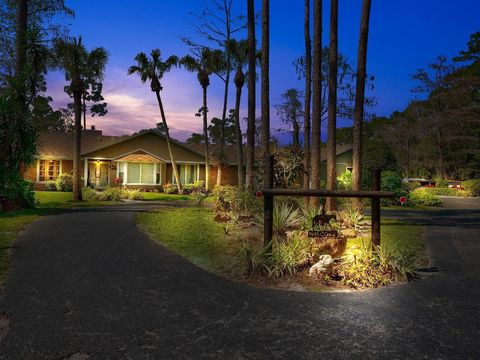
column 98, row 173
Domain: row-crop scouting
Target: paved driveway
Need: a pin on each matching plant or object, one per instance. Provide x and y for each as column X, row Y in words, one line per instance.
column 90, row 285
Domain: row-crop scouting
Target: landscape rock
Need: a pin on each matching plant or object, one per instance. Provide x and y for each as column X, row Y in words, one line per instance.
column 322, row 266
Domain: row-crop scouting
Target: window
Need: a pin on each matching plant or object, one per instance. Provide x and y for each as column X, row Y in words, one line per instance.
column 48, row 170
column 188, row 174
column 139, row 173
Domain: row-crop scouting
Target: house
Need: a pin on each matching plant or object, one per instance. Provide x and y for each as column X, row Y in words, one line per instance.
column 140, row 160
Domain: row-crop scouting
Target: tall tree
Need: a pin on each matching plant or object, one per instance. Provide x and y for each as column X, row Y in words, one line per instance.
column 316, row 99
column 291, row 113
column 360, row 97
column 251, row 93
column 308, row 96
column 79, row 64
column 265, row 88
column 204, row 64
column 332, row 104
column 21, row 36
column 218, row 25
column 153, row 70
column 240, row 57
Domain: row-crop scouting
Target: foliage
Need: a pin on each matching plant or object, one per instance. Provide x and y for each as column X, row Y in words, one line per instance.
column 288, row 256
column 392, row 181
column 344, row 180
column 112, row 194
column 421, row 197
column 440, row 183
column 446, row 191
column 285, row 218
column 291, row 112
column 308, row 213
column 153, row 196
column 197, row 187
column 51, row 186
column 235, row 200
column 354, row 217
column 369, row 269
column 20, row 194
column 472, row 187
column 254, row 256
column 169, row 188
column 64, row 182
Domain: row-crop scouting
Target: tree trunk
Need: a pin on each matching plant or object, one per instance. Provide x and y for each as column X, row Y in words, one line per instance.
column 21, row 35
column 317, row 98
column 296, row 134
column 251, row 94
column 265, row 96
column 360, row 99
column 308, row 99
column 167, row 136
column 84, row 109
column 238, row 135
column 332, row 105
column 205, row 135
column 77, row 104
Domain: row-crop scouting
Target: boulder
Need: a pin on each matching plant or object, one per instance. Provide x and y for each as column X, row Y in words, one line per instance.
column 323, row 265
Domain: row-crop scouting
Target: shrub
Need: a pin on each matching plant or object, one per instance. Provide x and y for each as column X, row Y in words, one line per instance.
column 447, row 191
column 354, row 218
column 170, row 188
column 440, row 183
column 91, row 194
column 51, row 186
column 288, row 256
column 391, row 181
column 64, row 182
column 472, row 187
column 411, row 185
column 198, row 187
column 344, row 181
column 423, row 197
column 254, row 257
column 111, row 193
column 133, row 194
column 235, row 200
column 308, row 213
column 284, row 218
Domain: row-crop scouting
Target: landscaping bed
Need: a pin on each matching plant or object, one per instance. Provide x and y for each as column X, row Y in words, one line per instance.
column 230, row 244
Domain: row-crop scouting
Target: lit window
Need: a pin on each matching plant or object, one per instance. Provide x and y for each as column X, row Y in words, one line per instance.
column 48, row 170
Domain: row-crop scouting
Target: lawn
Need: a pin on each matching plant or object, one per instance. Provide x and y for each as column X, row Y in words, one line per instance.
column 190, row 232
column 153, row 196
column 10, row 224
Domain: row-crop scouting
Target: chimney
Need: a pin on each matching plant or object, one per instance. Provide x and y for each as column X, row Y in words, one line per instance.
column 92, row 127
column 93, row 131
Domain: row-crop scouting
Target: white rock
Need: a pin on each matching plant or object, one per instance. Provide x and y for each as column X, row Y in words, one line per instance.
column 324, row 262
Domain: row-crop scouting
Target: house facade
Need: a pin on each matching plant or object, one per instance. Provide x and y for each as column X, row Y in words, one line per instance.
column 140, row 161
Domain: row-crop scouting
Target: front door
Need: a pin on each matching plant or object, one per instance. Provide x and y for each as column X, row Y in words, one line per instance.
column 98, row 174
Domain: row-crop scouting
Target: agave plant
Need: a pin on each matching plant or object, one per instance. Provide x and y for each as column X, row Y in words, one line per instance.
column 354, row 218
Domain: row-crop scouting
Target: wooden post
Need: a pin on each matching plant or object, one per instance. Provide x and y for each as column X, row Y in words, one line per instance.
column 268, row 202
column 376, row 178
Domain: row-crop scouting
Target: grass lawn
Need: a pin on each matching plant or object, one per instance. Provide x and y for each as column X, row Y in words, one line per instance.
column 190, row 232
column 153, row 196
column 10, row 224
column 59, row 199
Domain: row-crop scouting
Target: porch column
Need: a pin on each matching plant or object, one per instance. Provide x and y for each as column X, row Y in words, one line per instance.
column 85, row 172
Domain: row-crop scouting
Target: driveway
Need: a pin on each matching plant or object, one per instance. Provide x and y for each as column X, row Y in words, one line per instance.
column 89, row 285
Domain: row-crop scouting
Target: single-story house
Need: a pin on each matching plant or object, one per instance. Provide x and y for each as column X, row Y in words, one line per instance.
column 136, row 161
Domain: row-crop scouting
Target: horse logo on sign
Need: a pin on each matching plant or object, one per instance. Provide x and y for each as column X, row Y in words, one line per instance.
column 322, row 222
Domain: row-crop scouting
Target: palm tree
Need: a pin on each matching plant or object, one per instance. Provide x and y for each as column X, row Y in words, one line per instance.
column 239, row 51
column 317, row 97
column 79, row 64
column 204, row 65
column 21, row 36
column 153, row 70
column 265, row 86
column 360, row 97
column 308, row 96
column 332, row 104
column 251, row 93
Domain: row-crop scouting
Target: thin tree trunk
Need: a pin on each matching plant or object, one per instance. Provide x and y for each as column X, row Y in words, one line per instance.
column 238, row 135
column 308, row 99
column 167, row 136
column 21, row 35
column 84, row 108
column 332, row 105
column 265, row 78
column 77, row 186
column 251, row 94
column 317, row 98
column 205, row 135
column 360, row 99
column 296, row 134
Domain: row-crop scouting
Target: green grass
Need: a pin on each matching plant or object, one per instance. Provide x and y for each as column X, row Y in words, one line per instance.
column 59, row 199
column 190, row 232
column 10, row 224
column 403, row 237
column 153, row 196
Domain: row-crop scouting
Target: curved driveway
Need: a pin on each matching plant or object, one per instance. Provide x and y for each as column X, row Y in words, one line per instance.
column 89, row 285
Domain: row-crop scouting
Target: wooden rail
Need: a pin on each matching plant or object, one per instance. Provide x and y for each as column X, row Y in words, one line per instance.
column 269, row 192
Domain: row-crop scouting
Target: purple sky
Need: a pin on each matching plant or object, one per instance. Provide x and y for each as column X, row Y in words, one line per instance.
column 404, row 36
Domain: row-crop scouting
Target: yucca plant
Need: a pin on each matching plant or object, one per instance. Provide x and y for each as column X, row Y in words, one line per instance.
column 354, row 218
column 308, row 213
column 285, row 218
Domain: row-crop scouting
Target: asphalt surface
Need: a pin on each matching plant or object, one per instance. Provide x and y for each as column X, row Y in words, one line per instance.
column 88, row 284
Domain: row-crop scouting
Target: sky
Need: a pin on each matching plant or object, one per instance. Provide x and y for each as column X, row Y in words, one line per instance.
column 404, row 36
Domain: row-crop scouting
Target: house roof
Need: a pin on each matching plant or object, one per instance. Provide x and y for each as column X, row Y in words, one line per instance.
column 56, row 145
